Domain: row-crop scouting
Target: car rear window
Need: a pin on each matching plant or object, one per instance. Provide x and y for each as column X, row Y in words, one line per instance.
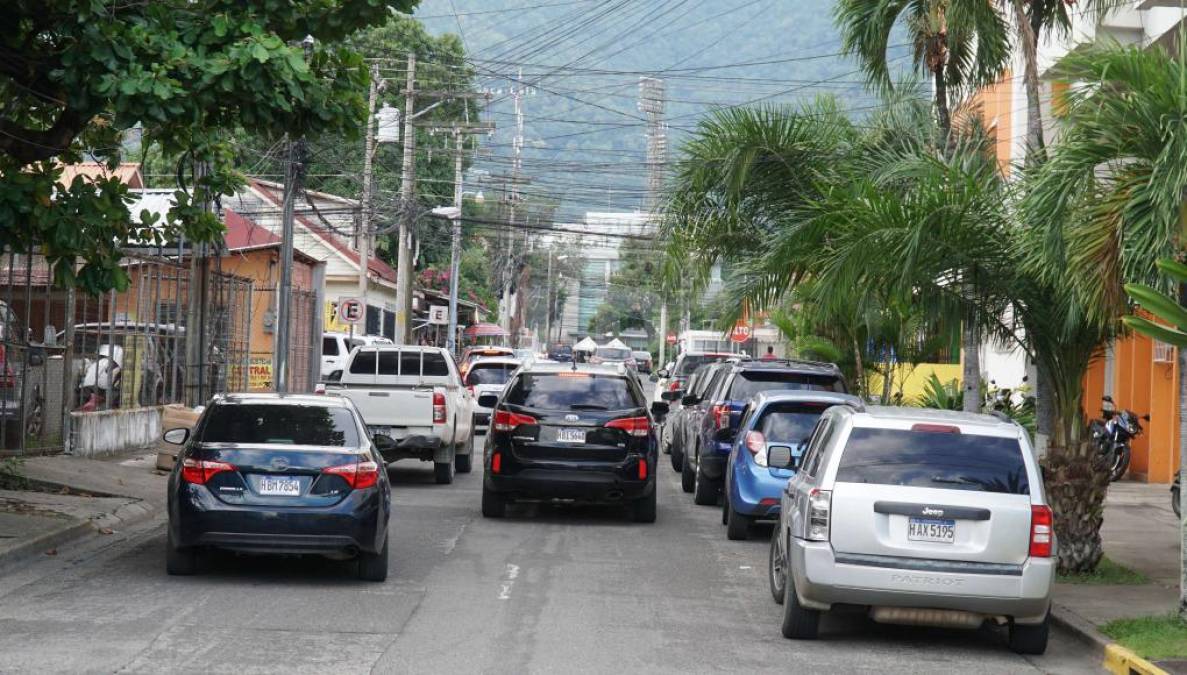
column 408, row 363
column 934, row 459
column 613, row 354
column 572, row 391
column 748, row 383
column 273, row 424
column 789, row 422
column 490, row 373
column 693, row 361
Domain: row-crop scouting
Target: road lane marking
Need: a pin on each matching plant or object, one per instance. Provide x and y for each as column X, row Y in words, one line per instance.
column 508, row 581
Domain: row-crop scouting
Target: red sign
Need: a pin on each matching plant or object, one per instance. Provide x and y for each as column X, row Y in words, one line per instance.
column 351, row 310
column 741, row 332
column 671, row 338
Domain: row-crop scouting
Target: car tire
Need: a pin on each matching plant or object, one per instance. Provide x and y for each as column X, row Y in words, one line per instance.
column 704, row 491
column 677, row 458
column 494, row 505
column 644, row 510
column 776, row 568
column 180, row 561
column 443, row 472
column 688, row 476
column 799, row 622
column 737, row 525
column 1030, row 639
column 373, row 566
column 464, row 463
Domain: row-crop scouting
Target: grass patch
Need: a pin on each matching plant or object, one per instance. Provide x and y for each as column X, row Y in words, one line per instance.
column 1151, row 637
column 1106, row 573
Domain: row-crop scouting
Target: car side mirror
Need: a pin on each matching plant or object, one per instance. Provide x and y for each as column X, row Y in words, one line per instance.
column 662, row 372
column 671, row 395
column 383, row 443
column 177, row 436
column 659, row 409
column 780, row 457
column 689, row 400
column 334, row 376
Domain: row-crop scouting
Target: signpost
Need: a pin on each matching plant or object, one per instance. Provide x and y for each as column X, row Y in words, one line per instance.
column 741, row 333
column 439, row 315
column 351, row 311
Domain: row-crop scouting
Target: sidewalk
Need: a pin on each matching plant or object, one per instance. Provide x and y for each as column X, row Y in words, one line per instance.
column 1141, row 533
column 72, row 497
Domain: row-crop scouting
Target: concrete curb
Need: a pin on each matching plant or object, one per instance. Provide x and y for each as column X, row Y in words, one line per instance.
column 1114, row 657
column 123, row 516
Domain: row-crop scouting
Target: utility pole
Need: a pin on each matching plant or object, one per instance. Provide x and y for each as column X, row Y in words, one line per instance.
column 294, row 178
column 651, row 102
column 368, row 160
column 455, row 249
column 506, row 306
column 407, row 187
column 548, row 304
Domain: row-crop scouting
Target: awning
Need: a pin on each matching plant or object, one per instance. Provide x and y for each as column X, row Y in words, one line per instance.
column 586, row 345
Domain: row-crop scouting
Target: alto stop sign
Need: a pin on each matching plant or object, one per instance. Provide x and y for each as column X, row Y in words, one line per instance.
column 741, row 333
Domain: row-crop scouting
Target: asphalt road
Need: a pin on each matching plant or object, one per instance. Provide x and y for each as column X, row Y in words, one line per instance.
column 547, row 590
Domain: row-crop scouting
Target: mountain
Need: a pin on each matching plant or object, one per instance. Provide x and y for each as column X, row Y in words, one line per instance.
column 581, row 61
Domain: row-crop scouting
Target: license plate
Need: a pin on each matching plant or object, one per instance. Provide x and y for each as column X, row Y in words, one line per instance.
column 280, row 487
column 942, row 531
column 567, row 435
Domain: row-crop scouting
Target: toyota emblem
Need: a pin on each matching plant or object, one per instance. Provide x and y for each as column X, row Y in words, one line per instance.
column 280, row 463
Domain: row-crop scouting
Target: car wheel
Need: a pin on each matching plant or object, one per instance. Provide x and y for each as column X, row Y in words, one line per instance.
column 443, row 472
column 799, row 622
column 1030, row 639
column 776, row 567
column 373, row 566
column 179, row 561
column 465, row 461
column 704, row 492
column 677, row 458
column 737, row 526
column 688, row 476
column 493, row 504
column 644, row 510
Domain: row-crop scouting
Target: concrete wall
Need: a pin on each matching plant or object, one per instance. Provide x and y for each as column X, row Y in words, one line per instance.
column 107, row 432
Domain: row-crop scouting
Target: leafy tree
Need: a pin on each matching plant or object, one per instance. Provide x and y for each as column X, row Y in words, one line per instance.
column 633, row 298
column 77, row 74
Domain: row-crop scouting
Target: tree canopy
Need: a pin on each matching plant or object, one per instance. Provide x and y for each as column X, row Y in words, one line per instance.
column 77, row 74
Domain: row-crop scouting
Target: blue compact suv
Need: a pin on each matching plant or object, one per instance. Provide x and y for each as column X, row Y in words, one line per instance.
column 752, row 488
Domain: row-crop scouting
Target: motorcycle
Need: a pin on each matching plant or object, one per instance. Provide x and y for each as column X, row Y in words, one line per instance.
column 1112, row 434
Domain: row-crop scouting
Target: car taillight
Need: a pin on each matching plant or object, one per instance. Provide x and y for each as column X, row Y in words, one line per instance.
column 505, row 420
column 674, row 385
column 438, row 408
column 1042, row 523
column 819, row 504
column 635, row 426
column 319, row 388
column 358, row 475
column 642, row 468
column 721, row 415
column 756, row 443
column 200, row 471
column 496, row 462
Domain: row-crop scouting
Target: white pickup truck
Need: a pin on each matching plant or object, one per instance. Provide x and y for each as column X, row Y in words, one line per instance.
column 414, row 404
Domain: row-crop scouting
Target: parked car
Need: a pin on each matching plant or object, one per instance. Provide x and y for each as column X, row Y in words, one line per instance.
column 472, row 354
column 714, row 422
column 486, row 380
column 288, row 474
column 572, row 433
column 926, row 517
column 642, row 361
column 561, row 353
column 676, row 425
column 413, row 402
column 752, row 485
column 335, row 347
column 675, row 378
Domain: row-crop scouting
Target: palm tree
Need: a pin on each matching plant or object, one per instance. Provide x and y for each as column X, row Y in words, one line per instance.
column 959, row 44
column 1112, row 192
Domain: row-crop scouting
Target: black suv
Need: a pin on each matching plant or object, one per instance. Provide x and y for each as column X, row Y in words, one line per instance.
column 712, row 418
column 572, row 433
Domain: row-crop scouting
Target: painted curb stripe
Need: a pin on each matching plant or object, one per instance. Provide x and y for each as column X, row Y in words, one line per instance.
column 1122, row 661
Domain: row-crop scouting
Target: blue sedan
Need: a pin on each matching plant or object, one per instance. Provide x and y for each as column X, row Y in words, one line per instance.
column 752, row 489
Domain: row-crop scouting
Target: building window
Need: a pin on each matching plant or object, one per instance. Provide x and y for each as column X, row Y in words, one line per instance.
column 1163, row 352
column 373, row 320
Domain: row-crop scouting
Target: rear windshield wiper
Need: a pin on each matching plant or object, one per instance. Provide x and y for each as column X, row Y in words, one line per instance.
column 587, row 406
column 956, row 481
